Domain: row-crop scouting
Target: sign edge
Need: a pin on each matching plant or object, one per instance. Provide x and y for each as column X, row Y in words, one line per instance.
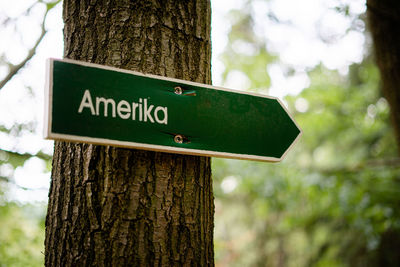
column 207, row 86
column 48, row 98
column 158, row 148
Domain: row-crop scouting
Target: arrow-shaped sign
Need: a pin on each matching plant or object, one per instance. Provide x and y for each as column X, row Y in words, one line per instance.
column 104, row 105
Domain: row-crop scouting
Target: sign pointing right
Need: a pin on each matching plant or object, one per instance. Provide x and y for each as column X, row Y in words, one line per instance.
column 256, row 126
column 103, row 105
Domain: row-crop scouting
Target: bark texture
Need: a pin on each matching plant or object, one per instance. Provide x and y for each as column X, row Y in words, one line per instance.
column 121, row 207
column 384, row 23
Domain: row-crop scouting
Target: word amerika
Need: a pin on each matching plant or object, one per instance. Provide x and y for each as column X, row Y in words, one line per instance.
column 141, row 110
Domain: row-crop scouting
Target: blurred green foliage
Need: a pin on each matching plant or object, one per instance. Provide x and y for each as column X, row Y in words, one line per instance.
column 246, row 51
column 334, row 201
column 334, row 197
column 21, row 223
column 21, row 235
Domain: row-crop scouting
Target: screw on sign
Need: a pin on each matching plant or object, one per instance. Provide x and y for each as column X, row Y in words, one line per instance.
column 178, row 139
column 178, row 90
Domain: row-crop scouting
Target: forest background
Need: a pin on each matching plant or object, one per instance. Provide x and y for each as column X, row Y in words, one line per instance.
column 334, row 201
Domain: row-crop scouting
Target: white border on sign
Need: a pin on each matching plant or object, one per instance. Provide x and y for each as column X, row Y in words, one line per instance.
column 48, row 134
column 48, row 99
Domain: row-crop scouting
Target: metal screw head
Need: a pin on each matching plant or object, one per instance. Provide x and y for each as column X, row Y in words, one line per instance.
column 178, row 139
column 178, row 90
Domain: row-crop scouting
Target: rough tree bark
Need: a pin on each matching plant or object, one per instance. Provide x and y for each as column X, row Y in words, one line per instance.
column 384, row 24
column 120, row 207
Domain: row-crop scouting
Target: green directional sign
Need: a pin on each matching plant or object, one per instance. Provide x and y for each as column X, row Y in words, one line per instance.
column 103, row 105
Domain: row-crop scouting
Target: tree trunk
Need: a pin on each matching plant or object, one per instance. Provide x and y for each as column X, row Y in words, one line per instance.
column 384, row 22
column 122, row 207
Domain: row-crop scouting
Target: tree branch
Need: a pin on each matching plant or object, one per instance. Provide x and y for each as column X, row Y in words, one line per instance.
column 15, row 68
